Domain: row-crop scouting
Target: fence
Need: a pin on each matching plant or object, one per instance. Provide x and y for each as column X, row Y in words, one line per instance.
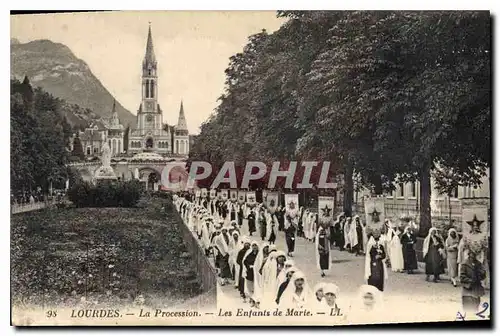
column 205, row 269
column 19, row 208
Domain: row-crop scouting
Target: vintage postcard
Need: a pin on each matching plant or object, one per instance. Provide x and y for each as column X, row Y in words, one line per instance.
column 253, row 168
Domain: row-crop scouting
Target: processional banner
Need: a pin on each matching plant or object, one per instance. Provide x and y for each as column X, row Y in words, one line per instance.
column 272, row 201
column 213, row 193
column 224, row 194
column 475, row 224
column 375, row 212
column 233, row 195
column 292, row 204
column 251, row 199
column 204, row 192
column 325, row 209
column 241, row 197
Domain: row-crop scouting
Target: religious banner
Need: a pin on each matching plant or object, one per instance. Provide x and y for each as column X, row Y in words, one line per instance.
column 272, row 201
column 292, row 204
column 251, row 199
column 219, row 195
column 204, row 192
column 325, row 209
column 224, row 194
column 475, row 224
column 233, row 195
column 197, row 193
column 241, row 197
column 264, row 195
column 375, row 212
column 213, row 193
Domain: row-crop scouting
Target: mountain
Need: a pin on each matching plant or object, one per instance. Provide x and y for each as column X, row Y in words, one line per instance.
column 55, row 68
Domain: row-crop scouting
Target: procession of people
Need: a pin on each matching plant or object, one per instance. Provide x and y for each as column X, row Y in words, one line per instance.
column 266, row 277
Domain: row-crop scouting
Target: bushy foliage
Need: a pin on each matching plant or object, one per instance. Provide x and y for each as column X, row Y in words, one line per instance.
column 112, row 194
column 385, row 96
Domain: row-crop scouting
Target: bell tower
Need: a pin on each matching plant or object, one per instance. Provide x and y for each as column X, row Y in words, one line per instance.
column 149, row 115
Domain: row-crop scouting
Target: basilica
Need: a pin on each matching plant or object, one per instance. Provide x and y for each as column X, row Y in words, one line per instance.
column 150, row 134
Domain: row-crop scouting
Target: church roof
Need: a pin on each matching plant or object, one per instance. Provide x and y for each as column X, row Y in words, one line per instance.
column 149, row 58
column 181, row 123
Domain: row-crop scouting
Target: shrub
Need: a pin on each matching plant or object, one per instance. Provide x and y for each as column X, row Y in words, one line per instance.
column 106, row 194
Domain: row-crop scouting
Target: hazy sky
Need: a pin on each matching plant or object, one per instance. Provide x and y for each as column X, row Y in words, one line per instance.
column 192, row 49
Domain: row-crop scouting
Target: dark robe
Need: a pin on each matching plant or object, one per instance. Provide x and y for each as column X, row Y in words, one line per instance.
column 240, row 216
column 376, row 278
column 281, row 289
column 225, row 270
column 300, row 228
column 249, row 262
column 233, row 213
column 323, row 251
column 223, row 210
column 251, row 222
column 433, row 259
column 239, row 261
column 280, row 215
column 409, row 254
column 359, row 233
column 290, row 237
column 272, row 236
column 262, row 225
column 340, row 237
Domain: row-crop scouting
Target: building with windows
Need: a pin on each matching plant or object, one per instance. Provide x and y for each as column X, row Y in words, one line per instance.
column 109, row 129
column 151, row 134
column 404, row 200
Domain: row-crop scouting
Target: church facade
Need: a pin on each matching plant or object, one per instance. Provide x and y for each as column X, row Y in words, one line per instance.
column 151, row 134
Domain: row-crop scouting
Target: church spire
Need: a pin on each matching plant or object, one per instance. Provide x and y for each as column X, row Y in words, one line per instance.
column 149, row 58
column 181, row 123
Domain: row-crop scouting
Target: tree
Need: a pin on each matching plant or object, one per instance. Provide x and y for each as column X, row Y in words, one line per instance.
column 78, row 148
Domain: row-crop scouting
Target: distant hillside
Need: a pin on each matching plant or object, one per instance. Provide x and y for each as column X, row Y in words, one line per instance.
column 57, row 70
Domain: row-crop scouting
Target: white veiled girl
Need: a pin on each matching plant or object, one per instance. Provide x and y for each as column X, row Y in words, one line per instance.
column 234, row 246
column 368, row 307
column 258, row 277
column 297, row 294
column 353, row 234
column 347, row 231
column 396, row 253
column 317, row 295
column 306, row 223
column 282, row 276
column 243, row 241
column 270, row 277
column 205, row 235
column 312, row 226
column 269, row 228
column 249, row 289
column 330, row 301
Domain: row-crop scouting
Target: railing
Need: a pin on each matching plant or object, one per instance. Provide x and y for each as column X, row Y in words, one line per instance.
column 19, row 208
column 205, row 269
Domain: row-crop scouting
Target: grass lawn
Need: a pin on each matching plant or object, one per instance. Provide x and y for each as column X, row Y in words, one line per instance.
column 100, row 257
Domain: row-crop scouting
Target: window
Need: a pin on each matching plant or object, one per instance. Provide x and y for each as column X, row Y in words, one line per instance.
column 88, row 150
column 96, row 150
column 401, row 190
column 454, row 194
column 147, row 88
column 413, row 189
column 152, row 89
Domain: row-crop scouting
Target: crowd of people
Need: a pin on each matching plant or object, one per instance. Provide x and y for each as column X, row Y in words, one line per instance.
column 266, row 277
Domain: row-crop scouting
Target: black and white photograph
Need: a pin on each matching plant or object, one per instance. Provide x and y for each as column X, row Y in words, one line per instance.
column 250, row 168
